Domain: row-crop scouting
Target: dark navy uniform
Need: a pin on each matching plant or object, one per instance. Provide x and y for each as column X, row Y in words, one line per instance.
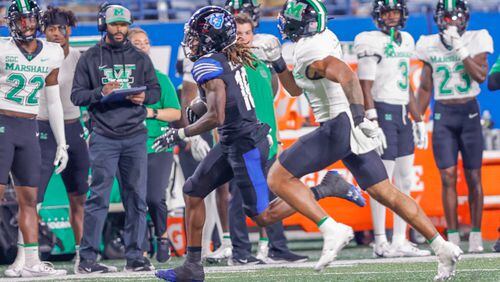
column 243, row 148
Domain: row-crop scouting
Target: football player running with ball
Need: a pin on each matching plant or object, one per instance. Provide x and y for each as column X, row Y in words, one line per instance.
column 383, row 70
column 455, row 62
column 334, row 93
column 28, row 65
column 241, row 154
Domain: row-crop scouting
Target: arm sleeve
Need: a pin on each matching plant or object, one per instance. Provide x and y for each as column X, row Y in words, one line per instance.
column 206, row 69
column 169, row 95
column 56, row 114
column 153, row 91
column 82, row 93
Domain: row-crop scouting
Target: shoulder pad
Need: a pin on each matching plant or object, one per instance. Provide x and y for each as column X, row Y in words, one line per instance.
column 205, row 69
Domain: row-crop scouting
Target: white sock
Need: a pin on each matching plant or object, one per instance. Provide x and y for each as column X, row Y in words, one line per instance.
column 77, row 251
column 403, row 180
column 327, row 226
column 226, row 239
column 436, row 243
column 31, row 255
column 378, row 218
column 20, row 249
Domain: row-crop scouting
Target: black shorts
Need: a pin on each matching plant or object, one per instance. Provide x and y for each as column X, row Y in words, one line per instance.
column 397, row 129
column 246, row 165
column 19, row 151
column 75, row 176
column 328, row 144
column 457, row 128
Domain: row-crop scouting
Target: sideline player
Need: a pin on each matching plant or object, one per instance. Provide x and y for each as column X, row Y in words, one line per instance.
column 334, row 92
column 28, row 66
column 210, row 40
column 455, row 62
column 383, row 70
column 58, row 24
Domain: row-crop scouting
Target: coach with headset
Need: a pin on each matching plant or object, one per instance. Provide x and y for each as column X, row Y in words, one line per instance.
column 118, row 139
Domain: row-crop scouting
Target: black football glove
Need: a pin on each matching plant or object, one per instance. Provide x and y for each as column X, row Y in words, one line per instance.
column 168, row 139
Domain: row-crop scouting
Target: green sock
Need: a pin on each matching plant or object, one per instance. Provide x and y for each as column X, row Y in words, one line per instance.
column 475, row 229
column 451, row 231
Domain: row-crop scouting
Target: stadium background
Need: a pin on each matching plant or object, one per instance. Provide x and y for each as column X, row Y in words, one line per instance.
column 166, row 38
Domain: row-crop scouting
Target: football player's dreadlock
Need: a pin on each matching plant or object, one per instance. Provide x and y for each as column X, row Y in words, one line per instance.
column 239, row 54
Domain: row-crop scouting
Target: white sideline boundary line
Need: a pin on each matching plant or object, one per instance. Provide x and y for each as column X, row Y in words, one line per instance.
column 253, row 268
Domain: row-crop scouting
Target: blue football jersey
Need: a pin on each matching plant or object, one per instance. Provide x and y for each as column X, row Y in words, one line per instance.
column 240, row 119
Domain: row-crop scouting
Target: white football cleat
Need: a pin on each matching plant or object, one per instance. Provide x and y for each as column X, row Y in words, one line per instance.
column 263, row 250
column 15, row 269
column 448, row 255
column 44, row 268
column 408, row 249
column 225, row 251
column 384, row 250
column 475, row 242
column 333, row 243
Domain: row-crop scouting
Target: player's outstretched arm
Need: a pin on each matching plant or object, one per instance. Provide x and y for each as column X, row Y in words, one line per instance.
column 338, row 71
column 287, row 80
column 424, row 91
column 215, row 92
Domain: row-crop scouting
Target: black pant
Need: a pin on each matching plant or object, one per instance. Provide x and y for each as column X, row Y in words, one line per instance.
column 159, row 169
column 238, row 228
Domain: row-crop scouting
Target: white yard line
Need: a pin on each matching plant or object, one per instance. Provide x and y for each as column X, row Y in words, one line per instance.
column 252, row 268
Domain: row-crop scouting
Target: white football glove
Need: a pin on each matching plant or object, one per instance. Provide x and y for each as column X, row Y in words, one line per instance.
column 453, row 38
column 420, row 135
column 61, row 159
column 372, row 130
column 269, row 47
column 199, row 147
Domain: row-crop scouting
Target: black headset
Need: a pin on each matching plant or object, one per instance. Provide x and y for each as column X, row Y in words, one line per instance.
column 101, row 17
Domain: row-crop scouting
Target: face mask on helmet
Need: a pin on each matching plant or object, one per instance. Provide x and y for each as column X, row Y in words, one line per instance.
column 249, row 7
column 385, row 14
column 23, row 18
column 452, row 13
column 211, row 29
column 302, row 18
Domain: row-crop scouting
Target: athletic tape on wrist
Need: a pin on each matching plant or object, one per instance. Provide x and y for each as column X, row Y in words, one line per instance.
column 279, row 65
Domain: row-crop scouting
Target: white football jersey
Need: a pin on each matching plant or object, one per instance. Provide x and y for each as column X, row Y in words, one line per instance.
column 21, row 79
column 65, row 79
column 326, row 97
column 451, row 81
column 391, row 82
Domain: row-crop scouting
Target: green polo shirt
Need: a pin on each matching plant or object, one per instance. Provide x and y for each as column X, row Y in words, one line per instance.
column 168, row 99
column 259, row 80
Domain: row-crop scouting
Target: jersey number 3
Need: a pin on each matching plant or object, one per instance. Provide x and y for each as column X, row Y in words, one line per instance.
column 241, row 79
column 36, row 83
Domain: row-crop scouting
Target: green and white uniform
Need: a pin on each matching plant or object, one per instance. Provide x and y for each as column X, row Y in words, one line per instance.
column 451, row 81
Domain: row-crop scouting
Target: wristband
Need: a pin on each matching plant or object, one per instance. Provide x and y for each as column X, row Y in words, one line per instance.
column 155, row 113
column 279, row 65
column 371, row 114
column 181, row 133
column 358, row 113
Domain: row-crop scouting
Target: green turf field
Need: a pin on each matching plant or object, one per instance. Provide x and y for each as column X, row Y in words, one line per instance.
column 353, row 264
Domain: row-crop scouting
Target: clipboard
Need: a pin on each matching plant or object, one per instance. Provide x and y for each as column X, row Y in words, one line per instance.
column 120, row 95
